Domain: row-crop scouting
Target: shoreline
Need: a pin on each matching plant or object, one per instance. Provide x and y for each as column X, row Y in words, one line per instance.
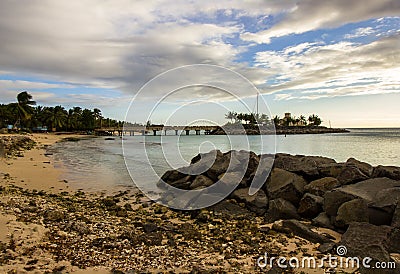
column 280, row 130
column 35, row 170
column 68, row 230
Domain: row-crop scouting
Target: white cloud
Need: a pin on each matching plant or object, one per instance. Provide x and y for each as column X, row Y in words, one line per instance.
column 339, row 69
column 360, row 32
column 310, row 15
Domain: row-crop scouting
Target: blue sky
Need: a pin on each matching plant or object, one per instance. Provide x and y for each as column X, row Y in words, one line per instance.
column 339, row 59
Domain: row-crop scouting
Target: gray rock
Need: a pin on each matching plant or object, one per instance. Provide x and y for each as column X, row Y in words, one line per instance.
column 326, row 247
column 352, row 211
column 322, row 220
column 183, row 183
column 396, row 217
column 321, row 186
column 365, row 168
column 306, row 166
column 257, row 203
column 331, row 169
column 229, row 210
column 172, row 176
column 281, row 209
column 367, row 240
column 304, row 231
column 350, row 174
column 392, row 172
column 383, row 207
column 310, row 205
column 366, row 190
column 286, row 185
column 201, row 181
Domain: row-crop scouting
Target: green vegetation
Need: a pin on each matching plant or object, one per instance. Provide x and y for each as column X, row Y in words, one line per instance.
column 263, row 119
column 25, row 115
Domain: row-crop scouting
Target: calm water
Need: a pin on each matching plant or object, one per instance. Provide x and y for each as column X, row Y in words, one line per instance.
column 98, row 164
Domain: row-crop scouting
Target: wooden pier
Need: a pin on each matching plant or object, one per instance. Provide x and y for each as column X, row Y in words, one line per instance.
column 145, row 130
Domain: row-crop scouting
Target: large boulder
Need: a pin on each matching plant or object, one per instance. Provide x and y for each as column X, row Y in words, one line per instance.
column 366, row 240
column 352, row 211
column 286, row 185
column 396, row 217
column 228, row 210
column 350, row 174
column 172, row 175
column 257, row 203
column 383, row 207
column 306, row 166
column 366, row 190
column 346, row 173
column 365, row 168
column 310, row 205
column 281, row 209
column 392, row 172
column 201, row 181
column 320, row 186
column 322, row 220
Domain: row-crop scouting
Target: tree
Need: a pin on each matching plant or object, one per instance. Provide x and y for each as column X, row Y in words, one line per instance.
column 231, row 115
column 24, row 107
column 314, row 120
column 277, row 120
column 303, row 120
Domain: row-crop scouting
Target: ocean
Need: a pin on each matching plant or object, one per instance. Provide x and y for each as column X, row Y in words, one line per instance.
column 97, row 164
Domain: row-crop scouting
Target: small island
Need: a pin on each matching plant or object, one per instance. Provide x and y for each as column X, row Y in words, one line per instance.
column 256, row 124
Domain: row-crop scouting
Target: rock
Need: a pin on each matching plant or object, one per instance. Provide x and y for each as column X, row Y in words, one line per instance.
column 232, row 178
column 286, row 185
column 365, row 168
column 304, row 231
column 257, row 203
column 230, row 211
column 392, row 172
column 150, row 227
column 383, row 207
column 396, row 217
column 367, row 240
column 183, row 183
column 172, row 176
column 184, row 201
column 350, row 174
column 353, row 211
column 3, row 130
column 326, row 247
column 366, row 190
column 281, row 209
column 54, row 216
column 306, row 166
column 310, row 205
column 331, row 169
column 394, row 241
column 322, row 220
column 320, row 186
column 201, row 180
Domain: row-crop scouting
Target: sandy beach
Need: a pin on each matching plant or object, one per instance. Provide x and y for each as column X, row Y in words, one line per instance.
column 35, row 170
column 48, row 227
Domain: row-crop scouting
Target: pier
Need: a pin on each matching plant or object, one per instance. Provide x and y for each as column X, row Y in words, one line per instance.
column 154, row 129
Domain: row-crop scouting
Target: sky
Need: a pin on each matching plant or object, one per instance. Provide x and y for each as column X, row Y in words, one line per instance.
column 339, row 59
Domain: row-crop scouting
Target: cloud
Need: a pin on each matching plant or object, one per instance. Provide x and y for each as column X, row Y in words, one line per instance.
column 339, row 69
column 360, row 32
column 310, row 15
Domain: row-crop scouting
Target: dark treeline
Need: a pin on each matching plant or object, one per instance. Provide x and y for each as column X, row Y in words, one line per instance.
column 26, row 115
column 288, row 120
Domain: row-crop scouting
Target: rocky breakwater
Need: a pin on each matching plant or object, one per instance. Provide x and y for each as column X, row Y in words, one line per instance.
column 356, row 199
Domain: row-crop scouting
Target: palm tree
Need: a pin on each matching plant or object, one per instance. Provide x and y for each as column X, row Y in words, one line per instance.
column 24, row 107
column 56, row 117
column 97, row 116
column 314, row 120
column 303, row 120
column 231, row 115
column 277, row 120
